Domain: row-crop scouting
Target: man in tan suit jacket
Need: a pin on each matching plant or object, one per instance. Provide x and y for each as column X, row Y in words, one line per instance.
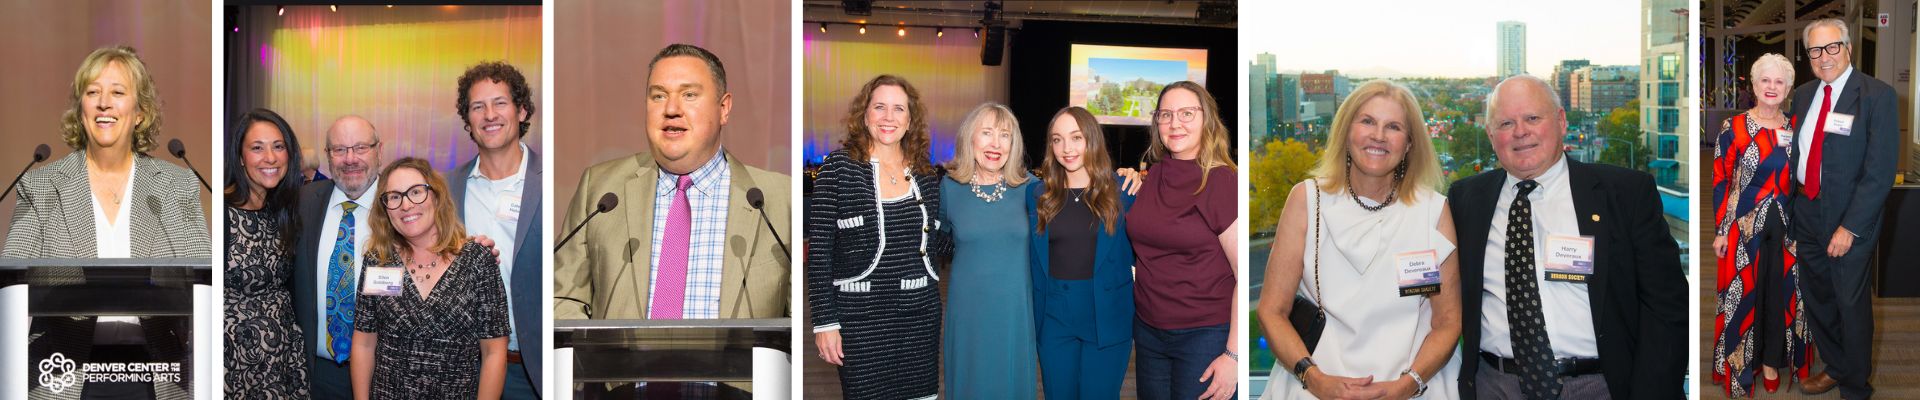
column 609, row 270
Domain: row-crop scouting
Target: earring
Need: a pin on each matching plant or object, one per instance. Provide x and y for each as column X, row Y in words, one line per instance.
column 1400, row 171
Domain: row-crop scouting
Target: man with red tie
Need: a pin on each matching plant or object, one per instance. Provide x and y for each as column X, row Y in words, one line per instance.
column 1846, row 129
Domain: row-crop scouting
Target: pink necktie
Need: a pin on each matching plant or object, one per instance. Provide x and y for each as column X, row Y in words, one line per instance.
column 670, row 287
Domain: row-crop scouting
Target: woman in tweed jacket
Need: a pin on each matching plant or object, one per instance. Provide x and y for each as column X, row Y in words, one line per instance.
column 873, row 233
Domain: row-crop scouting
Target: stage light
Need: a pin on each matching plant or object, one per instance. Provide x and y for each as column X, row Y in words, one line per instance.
column 939, row 32
column 333, row 8
column 823, row 27
column 282, row 10
column 863, row 29
column 976, row 33
column 903, row 31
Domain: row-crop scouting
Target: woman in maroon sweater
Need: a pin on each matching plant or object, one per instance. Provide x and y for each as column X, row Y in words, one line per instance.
column 1185, row 227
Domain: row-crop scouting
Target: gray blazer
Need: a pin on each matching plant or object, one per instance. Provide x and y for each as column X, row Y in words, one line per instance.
column 53, row 217
column 526, row 293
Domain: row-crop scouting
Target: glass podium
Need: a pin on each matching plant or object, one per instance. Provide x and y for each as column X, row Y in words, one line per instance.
column 690, row 359
column 123, row 328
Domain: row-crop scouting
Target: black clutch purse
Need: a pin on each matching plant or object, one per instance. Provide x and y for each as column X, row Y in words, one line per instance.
column 1307, row 318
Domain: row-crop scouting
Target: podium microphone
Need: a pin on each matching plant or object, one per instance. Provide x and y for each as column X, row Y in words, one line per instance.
column 180, row 151
column 39, row 154
column 607, row 203
column 757, row 199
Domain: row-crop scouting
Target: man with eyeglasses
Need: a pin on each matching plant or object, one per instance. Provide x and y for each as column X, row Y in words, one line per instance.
column 497, row 195
column 333, row 235
column 1847, row 139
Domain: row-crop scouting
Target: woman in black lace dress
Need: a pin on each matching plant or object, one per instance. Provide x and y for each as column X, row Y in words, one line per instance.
column 431, row 319
column 264, row 358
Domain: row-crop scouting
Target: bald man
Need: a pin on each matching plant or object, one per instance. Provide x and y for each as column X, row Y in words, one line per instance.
column 1571, row 283
column 326, row 262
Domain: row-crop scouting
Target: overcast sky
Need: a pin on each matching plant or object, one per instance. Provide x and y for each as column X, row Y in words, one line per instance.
column 1373, row 38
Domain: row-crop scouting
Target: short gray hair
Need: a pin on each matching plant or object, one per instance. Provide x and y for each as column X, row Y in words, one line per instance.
column 1774, row 61
column 1494, row 97
column 1836, row 23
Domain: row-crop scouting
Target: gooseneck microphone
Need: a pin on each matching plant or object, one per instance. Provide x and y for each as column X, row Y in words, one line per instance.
column 39, row 154
column 757, row 199
column 180, row 151
column 607, row 203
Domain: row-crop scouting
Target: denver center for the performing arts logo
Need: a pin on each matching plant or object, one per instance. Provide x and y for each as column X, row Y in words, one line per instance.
column 57, row 373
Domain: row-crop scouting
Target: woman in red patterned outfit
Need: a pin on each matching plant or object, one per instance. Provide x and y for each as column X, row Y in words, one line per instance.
column 1758, row 328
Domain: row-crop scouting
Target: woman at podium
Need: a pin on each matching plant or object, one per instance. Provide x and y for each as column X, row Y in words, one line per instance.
column 431, row 317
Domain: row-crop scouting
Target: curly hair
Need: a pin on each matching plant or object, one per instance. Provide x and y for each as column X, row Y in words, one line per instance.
column 917, row 142
column 73, row 130
column 497, row 71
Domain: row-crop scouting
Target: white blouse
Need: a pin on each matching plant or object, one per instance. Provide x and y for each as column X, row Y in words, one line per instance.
column 115, row 239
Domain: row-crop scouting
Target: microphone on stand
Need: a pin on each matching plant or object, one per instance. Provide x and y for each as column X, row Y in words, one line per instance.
column 39, row 154
column 607, row 203
column 180, row 151
column 757, row 199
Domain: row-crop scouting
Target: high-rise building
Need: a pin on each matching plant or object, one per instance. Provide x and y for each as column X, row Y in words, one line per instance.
column 1258, row 76
column 1599, row 89
column 1288, row 102
column 1513, row 48
column 1663, row 94
column 1561, row 82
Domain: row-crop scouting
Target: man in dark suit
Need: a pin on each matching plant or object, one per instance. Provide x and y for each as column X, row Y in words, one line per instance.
column 1570, row 264
column 332, row 237
column 1845, row 127
column 498, row 195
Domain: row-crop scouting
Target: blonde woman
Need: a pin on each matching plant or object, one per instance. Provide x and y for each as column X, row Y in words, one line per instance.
column 989, row 330
column 1371, row 209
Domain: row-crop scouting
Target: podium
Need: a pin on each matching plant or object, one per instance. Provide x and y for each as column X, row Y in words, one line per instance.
column 121, row 328
column 703, row 358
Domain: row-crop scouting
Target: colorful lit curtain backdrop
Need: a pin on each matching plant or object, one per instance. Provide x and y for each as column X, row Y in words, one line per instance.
column 399, row 67
column 946, row 70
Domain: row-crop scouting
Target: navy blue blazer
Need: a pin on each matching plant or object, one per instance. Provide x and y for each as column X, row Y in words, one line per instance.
column 1112, row 319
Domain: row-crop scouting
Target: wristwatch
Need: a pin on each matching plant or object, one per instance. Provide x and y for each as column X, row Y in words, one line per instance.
column 1420, row 383
column 1300, row 370
column 1233, row 355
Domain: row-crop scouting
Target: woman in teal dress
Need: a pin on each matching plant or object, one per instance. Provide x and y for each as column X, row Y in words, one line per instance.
column 989, row 349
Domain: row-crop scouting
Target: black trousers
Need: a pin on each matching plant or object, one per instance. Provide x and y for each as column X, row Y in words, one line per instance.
column 1838, row 302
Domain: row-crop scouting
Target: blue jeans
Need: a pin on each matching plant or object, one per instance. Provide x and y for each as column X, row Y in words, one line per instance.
column 1168, row 363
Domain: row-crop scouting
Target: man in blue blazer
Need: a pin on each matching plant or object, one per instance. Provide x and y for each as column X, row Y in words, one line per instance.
column 498, row 196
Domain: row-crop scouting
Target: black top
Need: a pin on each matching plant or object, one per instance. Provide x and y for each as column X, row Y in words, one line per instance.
column 1070, row 239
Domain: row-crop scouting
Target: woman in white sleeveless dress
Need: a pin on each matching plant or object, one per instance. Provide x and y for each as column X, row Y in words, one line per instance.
column 1371, row 215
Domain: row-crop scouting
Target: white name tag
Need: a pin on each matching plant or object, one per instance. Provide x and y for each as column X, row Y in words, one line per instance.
column 1419, row 272
column 1839, row 124
column 1782, row 137
column 382, row 281
column 1569, row 258
column 509, row 207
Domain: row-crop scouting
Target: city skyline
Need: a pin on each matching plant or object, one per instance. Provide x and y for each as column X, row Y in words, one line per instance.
column 1605, row 33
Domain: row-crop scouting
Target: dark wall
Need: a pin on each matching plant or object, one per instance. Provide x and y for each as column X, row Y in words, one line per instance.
column 1038, row 76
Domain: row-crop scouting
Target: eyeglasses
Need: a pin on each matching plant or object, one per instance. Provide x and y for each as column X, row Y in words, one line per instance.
column 416, row 194
column 1186, row 114
column 1831, row 48
column 358, row 150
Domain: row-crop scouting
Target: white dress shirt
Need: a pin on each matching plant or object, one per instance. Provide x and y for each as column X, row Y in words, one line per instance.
column 115, row 239
column 1568, row 310
column 493, row 210
column 329, row 232
column 1811, row 117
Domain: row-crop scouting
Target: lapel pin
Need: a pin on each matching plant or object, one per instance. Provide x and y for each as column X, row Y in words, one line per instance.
column 1596, row 218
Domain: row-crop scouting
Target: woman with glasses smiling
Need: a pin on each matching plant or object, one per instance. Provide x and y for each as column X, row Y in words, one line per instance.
column 431, row 319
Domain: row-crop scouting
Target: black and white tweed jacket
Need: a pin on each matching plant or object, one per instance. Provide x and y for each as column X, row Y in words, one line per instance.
column 844, row 233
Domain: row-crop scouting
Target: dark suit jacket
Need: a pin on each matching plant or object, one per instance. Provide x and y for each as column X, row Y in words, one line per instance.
column 1112, row 319
column 1637, row 291
column 525, row 293
column 1856, row 170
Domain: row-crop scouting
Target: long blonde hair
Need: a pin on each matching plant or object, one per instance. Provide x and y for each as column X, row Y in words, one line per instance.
column 385, row 244
column 1422, row 163
column 1214, row 150
column 961, row 169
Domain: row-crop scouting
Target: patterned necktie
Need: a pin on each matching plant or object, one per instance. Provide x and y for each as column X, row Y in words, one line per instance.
column 340, row 288
column 670, row 289
column 1819, row 137
column 1530, row 346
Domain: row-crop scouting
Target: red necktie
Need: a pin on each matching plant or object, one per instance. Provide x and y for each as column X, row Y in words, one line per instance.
column 1819, row 136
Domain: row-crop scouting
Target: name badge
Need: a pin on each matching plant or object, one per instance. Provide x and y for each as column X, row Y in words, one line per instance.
column 382, row 281
column 1840, row 124
column 1569, row 258
column 1782, row 137
column 509, row 207
column 1419, row 272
